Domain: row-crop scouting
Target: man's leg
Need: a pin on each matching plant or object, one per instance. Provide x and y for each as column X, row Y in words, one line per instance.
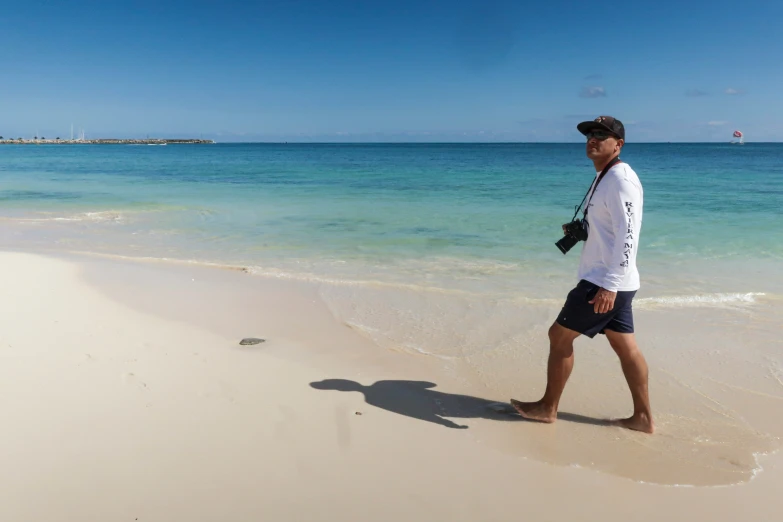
column 635, row 370
column 561, row 362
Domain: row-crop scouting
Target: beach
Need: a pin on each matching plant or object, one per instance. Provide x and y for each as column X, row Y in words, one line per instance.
column 402, row 292
column 128, row 397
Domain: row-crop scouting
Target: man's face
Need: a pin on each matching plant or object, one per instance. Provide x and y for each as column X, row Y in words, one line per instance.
column 602, row 145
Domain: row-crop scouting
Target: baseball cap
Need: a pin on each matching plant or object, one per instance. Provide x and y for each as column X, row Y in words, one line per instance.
column 605, row 123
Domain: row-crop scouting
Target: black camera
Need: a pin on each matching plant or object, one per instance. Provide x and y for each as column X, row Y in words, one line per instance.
column 575, row 231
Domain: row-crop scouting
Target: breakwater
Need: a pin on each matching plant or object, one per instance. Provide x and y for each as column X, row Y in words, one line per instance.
column 102, row 141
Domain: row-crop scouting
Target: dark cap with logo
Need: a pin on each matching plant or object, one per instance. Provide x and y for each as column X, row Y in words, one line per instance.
column 604, row 123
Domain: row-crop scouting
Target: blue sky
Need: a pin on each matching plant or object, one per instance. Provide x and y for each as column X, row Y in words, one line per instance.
column 367, row 70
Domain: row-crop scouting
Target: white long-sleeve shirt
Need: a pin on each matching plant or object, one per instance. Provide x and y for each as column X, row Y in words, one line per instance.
column 615, row 221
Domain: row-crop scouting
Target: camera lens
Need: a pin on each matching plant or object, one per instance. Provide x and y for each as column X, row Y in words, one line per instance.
column 566, row 243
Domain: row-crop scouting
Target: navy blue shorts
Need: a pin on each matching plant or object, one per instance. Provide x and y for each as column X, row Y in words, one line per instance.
column 579, row 315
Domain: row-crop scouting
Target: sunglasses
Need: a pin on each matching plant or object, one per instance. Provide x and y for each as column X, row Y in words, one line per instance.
column 599, row 135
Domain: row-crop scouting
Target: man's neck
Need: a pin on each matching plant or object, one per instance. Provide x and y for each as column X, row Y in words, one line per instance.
column 601, row 164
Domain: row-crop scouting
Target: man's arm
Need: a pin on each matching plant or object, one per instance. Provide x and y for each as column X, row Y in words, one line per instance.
column 622, row 202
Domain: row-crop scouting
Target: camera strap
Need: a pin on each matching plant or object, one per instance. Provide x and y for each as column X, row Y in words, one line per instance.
column 594, row 185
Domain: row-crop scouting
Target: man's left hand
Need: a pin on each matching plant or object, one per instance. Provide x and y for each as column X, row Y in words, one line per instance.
column 603, row 301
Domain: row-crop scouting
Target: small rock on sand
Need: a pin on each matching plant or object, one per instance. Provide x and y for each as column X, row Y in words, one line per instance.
column 251, row 340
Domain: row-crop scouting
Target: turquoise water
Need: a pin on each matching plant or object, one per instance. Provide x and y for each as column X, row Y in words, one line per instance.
column 487, row 215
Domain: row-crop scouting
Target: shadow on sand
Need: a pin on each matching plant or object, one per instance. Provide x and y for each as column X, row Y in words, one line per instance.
column 418, row 400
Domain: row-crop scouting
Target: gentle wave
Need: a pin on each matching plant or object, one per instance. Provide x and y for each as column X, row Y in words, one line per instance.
column 274, row 273
column 702, row 300
column 106, row 216
column 164, row 260
column 676, row 301
column 95, row 217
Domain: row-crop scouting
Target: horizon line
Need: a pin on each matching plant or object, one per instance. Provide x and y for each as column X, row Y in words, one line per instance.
column 439, row 142
column 296, row 142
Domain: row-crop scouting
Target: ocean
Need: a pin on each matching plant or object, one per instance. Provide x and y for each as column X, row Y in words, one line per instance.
column 447, row 251
column 478, row 217
column 472, row 219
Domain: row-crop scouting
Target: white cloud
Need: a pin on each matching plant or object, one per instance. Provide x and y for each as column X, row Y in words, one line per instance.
column 593, row 92
column 717, row 123
column 733, row 92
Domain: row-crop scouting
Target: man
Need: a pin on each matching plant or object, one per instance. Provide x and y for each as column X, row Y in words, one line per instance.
column 608, row 280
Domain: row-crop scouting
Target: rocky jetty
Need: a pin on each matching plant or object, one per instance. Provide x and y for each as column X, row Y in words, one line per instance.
column 102, row 141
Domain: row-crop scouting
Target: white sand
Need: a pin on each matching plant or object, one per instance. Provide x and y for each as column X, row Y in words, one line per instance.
column 125, row 396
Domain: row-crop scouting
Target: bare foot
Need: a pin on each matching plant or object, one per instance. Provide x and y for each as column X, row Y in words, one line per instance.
column 639, row 422
column 535, row 411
